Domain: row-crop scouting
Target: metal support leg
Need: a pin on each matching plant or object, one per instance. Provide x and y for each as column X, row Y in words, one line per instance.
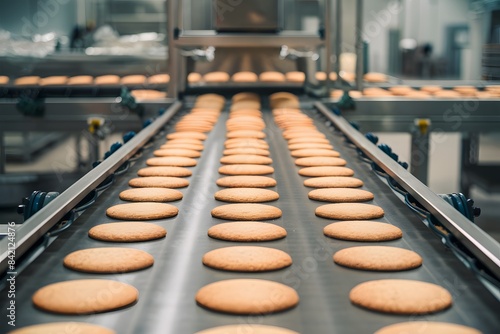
column 3, row 154
column 420, row 142
column 469, row 157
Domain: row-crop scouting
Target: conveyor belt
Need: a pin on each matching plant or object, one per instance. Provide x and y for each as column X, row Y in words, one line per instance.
column 166, row 302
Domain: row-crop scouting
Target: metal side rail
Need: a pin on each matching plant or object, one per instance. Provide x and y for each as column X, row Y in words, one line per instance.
column 480, row 244
column 37, row 225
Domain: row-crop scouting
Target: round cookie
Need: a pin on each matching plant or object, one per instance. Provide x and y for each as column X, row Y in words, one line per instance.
column 295, row 76
column 158, row 182
column 320, row 161
column 349, row 211
column 84, row 296
column 244, row 76
column 150, row 195
column 246, row 150
column 359, row 230
column 164, row 171
column 247, row 296
column 401, row 296
column 187, row 134
column 246, row 231
column 300, row 146
column 246, row 181
column 247, row 144
column 134, row 79
column 246, row 159
column 142, row 211
column 272, row 76
column 64, row 328
column 159, row 79
column 246, row 211
column 308, row 140
column 247, row 259
column 109, row 79
column 194, row 77
column 377, row 258
column 310, row 152
column 80, row 80
column 333, row 182
column 246, row 134
column 185, row 141
column 427, row 327
column 171, row 161
column 176, row 152
column 246, row 195
column 251, row 328
column 188, row 146
column 326, row 171
column 127, row 232
column 107, row 260
column 248, row 169
column 340, row 195
column 217, row 76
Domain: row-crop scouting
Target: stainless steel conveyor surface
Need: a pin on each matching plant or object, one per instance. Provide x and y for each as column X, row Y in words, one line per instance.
column 166, row 291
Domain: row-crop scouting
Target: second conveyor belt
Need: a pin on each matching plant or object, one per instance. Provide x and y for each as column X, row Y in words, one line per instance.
column 166, row 291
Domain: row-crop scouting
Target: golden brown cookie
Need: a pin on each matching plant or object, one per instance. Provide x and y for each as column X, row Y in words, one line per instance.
column 300, row 146
column 194, row 77
column 272, row 76
column 246, row 134
column 80, row 80
column 107, row 80
column 107, row 260
column 247, row 169
column 333, row 182
column 246, row 181
column 246, row 195
column 176, row 152
column 4, row 79
column 56, row 80
column 242, row 159
column 31, row 80
column 349, row 211
column 185, row 141
column 171, row 161
column 164, row 171
column 359, row 230
column 400, row 296
column 247, row 258
column 308, row 140
column 378, row 258
column 251, row 328
column 247, row 144
column 326, row 171
column 217, row 76
column 150, row 195
column 84, row 296
column 188, row 146
column 340, row 195
column 246, row 231
column 302, row 133
column 375, row 77
column 320, row 161
column 244, row 76
column 310, row 152
column 158, row 182
column 247, row 296
column 142, row 211
column 246, row 150
column 159, row 79
column 127, row 232
column 427, row 327
column 187, row 134
column 246, row 211
column 134, row 79
column 245, row 96
column 63, row 328
column 295, row 76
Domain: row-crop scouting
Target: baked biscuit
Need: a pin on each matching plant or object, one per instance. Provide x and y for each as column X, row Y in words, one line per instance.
column 142, row 211
column 272, row 76
column 85, row 296
column 246, row 195
column 360, row 230
column 377, row 258
column 65, row 328
column 424, row 326
column 127, row 232
column 171, row 161
column 108, row 260
column 246, row 169
column 246, row 181
column 333, row 182
column 243, row 159
column 247, row 296
column 340, row 195
column 217, row 76
column 311, row 152
column 246, row 211
column 320, row 161
column 158, row 182
column 326, row 171
column 247, row 259
column 246, row 231
column 150, row 195
column 349, row 211
column 164, row 171
column 80, row 80
column 253, row 329
column 400, row 296
column 176, row 152
column 244, row 76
